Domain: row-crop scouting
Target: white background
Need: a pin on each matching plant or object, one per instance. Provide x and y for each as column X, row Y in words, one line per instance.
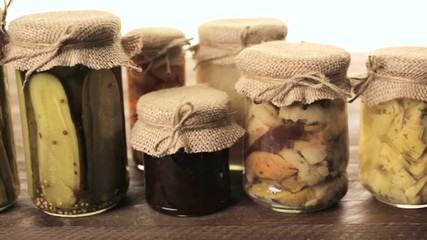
column 356, row 25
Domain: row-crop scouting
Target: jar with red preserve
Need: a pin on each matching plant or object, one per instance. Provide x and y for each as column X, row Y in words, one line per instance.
column 162, row 59
column 296, row 147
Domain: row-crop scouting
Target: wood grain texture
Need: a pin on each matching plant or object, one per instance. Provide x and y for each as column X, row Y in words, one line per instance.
column 357, row 216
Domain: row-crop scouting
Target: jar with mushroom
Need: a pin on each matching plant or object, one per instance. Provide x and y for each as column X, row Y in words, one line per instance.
column 71, row 105
column 296, row 146
column 393, row 125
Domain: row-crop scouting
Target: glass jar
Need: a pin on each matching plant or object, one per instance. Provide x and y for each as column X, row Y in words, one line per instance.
column 187, row 184
column 392, row 161
column 75, row 144
column 296, row 146
column 392, row 143
column 71, row 104
column 9, row 181
column 219, row 42
column 185, row 135
column 296, row 156
column 163, row 62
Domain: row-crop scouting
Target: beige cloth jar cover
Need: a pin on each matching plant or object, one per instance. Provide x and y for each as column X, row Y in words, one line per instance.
column 221, row 40
column 161, row 45
column 395, row 72
column 194, row 118
column 41, row 41
column 283, row 73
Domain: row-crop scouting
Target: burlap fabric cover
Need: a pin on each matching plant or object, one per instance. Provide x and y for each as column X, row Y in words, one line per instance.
column 41, row 41
column 221, row 40
column 161, row 45
column 194, row 118
column 396, row 72
column 283, row 73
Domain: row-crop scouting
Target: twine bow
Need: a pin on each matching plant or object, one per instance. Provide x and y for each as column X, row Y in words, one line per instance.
column 164, row 52
column 360, row 84
column 182, row 114
column 281, row 87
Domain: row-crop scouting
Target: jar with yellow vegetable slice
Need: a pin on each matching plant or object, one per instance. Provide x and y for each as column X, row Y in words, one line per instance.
column 393, row 137
column 296, row 146
column 71, row 109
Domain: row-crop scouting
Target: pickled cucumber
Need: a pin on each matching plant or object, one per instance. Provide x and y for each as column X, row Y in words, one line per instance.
column 103, row 126
column 57, row 146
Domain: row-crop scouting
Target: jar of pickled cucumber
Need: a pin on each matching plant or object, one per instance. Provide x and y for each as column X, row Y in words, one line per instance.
column 71, row 103
column 9, row 181
column 296, row 146
column 219, row 43
column 393, row 126
column 162, row 59
column 185, row 135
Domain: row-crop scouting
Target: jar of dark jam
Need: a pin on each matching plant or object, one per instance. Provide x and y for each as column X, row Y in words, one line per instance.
column 195, row 183
column 185, row 135
column 162, row 59
column 71, row 105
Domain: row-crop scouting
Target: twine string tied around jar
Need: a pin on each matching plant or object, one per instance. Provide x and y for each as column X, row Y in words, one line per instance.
column 164, row 52
column 68, row 38
column 281, row 87
column 361, row 83
column 232, row 49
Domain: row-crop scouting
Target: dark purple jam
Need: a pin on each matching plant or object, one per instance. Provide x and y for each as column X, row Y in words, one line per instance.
column 185, row 184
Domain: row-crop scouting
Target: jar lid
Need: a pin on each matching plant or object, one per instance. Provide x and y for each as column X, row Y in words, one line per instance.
column 157, row 37
column 160, row 46
column 394, row 72
column 41, row 41
column 221, row 40
column 283, row 73
column 194, row 118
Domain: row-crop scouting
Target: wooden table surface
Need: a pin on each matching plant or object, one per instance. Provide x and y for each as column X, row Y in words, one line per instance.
column 357, row 216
